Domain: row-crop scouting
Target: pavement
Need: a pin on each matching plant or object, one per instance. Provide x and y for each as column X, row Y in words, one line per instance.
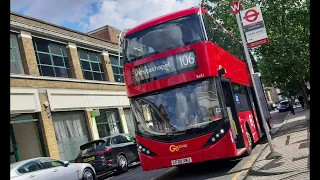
column 291, row 139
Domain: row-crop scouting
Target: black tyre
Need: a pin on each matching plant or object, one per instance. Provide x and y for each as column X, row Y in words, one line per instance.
column 250, row 141
column 88, row 174
column 122, row 164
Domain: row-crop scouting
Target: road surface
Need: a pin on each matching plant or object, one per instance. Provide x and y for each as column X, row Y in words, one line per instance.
column 217, row 169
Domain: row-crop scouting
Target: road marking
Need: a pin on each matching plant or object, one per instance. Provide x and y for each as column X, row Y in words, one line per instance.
column 246, row 166
column 169, row 169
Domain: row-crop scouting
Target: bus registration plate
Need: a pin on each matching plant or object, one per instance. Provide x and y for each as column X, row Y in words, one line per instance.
column 181, row 161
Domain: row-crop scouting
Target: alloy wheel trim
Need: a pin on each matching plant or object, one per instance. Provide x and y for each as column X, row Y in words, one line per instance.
column 87, row 175
column 123, row 163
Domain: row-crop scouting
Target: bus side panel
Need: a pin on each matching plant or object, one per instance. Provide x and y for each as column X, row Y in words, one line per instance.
column 236, row 70
column 224, row 148
column 247, row 116
column 256, row 118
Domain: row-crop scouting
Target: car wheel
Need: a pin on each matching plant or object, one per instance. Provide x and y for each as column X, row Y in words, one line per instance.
column 87, row 174
column 122, row 164
column 248, row 152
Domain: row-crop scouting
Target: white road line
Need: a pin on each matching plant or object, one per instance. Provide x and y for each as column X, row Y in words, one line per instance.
column 169, row 169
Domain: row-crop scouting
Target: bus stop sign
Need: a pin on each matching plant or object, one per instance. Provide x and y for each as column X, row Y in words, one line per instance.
column 254, row 27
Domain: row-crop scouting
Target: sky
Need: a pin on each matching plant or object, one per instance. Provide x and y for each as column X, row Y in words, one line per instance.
column 88, row 15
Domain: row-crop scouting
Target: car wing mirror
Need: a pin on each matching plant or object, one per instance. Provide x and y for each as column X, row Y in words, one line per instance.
column 66, row 163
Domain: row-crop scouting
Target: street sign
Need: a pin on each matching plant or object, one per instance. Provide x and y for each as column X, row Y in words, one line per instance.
column 235, row 7
column 254, row 28
column 251, row 18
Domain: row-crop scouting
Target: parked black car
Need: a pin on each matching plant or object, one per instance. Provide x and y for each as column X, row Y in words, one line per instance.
column 284, row 106
column 109, row 153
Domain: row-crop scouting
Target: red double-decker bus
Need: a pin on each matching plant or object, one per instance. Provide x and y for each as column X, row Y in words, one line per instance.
column 184, row 110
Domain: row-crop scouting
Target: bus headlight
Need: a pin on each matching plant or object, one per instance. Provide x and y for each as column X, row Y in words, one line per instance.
column 218, row 133
column 144, row 150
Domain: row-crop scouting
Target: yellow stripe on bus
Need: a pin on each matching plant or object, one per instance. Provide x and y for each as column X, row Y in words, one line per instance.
column 234, row 125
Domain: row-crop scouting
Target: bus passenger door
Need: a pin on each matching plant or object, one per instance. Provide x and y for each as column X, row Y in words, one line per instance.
column 232, row 113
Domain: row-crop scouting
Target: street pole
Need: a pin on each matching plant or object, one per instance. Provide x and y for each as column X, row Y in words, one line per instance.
column 273, row 154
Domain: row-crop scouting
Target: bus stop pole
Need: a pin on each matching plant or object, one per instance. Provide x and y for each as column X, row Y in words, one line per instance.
column 273, row 154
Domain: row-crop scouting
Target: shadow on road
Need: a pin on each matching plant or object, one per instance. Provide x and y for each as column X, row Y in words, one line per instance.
column 115, row 173
column 209, row 169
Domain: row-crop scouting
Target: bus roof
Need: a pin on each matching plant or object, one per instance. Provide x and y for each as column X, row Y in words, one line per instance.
column 164, row 18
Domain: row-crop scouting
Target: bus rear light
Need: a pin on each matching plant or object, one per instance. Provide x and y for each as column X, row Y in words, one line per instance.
column 145, row 150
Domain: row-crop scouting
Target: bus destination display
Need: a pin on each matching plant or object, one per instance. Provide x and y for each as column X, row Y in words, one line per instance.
column 165, row 67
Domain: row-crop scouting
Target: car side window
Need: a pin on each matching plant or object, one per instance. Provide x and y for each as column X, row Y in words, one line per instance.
column 129, row 138
column 30, row 167
column 114, row 140
column 119, row 140
column 123, row 139
column 50, row 163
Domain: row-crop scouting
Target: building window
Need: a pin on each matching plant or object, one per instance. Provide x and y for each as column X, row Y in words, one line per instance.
column 52, row 58
column 71, row 130
column 108, row 123
column 91, row 65
column 117, row 68
column 15, row 56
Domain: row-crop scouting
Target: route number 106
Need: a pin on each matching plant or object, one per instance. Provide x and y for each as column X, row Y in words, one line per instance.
column 186, row 59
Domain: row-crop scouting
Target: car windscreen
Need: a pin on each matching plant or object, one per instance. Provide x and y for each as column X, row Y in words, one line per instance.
column 284, row 103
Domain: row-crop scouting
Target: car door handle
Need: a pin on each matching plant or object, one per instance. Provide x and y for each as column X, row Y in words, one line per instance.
column 31, row 176
column 56, row 170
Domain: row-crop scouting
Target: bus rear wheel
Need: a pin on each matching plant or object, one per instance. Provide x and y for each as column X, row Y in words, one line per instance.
column 250, row 142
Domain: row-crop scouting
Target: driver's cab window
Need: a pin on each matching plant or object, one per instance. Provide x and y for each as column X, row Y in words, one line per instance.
column 50, row 163
column 30, row 167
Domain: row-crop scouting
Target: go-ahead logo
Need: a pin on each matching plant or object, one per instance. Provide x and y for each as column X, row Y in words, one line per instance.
column 174, row 148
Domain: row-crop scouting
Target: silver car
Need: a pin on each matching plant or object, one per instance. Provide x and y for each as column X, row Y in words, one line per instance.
column 45, row 168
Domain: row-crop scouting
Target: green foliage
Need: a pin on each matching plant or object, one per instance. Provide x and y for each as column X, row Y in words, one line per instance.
column 285, row 61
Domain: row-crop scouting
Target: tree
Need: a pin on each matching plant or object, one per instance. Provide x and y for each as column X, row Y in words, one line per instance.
column 285, row 61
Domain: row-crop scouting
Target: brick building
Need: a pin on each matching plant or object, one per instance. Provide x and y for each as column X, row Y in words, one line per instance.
column 66, row 88
column 107, row 32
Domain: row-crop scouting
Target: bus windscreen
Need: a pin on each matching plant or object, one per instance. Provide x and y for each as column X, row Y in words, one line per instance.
column 159, row 38
column 178, row 109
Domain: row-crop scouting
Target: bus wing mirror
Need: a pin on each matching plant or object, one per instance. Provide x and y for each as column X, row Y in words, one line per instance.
column 221, row 71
